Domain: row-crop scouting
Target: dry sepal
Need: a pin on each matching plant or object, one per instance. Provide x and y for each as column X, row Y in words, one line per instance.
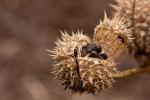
column 80, row 66
column 113, row 35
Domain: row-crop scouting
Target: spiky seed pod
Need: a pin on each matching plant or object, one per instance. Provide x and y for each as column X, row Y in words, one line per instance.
column 96, row 74
column 77, row 70
column 136, row 13
column 113, row 36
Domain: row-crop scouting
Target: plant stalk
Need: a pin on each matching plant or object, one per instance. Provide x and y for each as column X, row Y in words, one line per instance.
column 132, row 72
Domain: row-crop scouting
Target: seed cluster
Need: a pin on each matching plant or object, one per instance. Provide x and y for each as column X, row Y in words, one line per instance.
column 93, row 51
column 87, row 66
column 81, row 65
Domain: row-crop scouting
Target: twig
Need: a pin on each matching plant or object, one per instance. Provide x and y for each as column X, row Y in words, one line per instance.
column 132, row 72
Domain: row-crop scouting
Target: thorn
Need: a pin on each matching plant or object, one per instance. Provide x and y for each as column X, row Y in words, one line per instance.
column 91, row 80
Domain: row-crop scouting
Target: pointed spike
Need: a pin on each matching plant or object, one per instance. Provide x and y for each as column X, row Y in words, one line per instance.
column 84, row 84
column 82, row 75
column 62, row 33
column 91, row 80
column 105, row 14
column 71, row 83
column 114, row 7
column 82, row 31
column 50, row 51
column 101, row 21
column 106, row 19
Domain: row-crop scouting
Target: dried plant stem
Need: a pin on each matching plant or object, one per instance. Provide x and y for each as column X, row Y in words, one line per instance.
column 132, row 72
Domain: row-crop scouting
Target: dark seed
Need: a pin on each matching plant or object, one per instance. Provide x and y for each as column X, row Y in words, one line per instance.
column 99, row 49
column 103, row 56
column 92, row 50
column 94, row 47
column 93, row 55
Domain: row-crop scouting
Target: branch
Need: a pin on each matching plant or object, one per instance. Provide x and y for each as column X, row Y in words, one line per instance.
column 132, row 72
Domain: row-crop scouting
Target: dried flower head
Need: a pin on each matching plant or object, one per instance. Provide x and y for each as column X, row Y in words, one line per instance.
column 136, row 13
column 113, row 35
column 81, row 65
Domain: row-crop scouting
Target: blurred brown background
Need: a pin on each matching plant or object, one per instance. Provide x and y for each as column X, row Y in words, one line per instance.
column 29, row 27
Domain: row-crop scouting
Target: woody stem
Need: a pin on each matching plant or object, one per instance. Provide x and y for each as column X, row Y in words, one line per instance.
column 132, row 72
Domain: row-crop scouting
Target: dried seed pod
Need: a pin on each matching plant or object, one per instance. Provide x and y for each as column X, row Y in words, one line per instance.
column 136, row 14
column 113, row 35
column 77, row 70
